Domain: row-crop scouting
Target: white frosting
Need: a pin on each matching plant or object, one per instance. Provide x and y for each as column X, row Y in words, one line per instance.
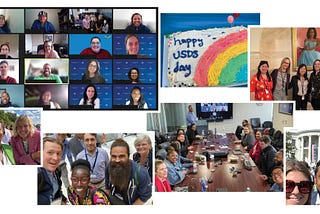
column 192, row 44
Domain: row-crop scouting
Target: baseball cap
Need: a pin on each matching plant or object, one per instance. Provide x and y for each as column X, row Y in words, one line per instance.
column 42, row 13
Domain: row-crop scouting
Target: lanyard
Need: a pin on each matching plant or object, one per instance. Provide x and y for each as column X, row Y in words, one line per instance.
column 95, row 159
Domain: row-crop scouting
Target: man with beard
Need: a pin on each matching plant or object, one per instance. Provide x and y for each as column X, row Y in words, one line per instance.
column 98, row 159
column 126, row 180
column 47, row 75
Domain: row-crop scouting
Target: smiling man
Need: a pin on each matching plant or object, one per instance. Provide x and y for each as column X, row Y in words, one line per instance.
column 126, row 181
column 98, row 159
column 49, row 182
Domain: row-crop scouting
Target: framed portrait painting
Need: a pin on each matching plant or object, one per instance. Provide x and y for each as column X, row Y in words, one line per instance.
column 305, row 46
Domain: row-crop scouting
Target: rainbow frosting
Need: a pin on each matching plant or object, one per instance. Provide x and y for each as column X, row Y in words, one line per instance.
column 212, row 57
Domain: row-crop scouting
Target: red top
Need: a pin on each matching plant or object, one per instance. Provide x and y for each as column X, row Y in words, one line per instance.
column 255, row 151
column 9, row 80
column 162, row 186
column 103, row 54
column 261, row 88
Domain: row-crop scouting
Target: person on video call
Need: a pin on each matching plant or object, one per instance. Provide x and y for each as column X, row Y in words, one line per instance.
column 5, row 100
column 42, row 23
column 92, row 75
column 132, row 44
column 45, row 99
column 96, row 50
column 134, row 76
column 136, row 25
column 4, row 67
column 4, row 28
column 90, row 97
column 5, row 50
column 47, row 75
column 136, row 98
column 48, row 50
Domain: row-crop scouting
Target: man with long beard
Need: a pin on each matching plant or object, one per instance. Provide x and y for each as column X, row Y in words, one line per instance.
column 126, row 181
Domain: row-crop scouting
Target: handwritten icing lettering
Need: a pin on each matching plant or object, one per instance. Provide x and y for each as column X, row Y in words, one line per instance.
column 185, row 54
column 186, row 67
column 190, row 42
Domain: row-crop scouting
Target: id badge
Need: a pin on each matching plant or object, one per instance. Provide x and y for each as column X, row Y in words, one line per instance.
column 267, row 92
column 303, row 97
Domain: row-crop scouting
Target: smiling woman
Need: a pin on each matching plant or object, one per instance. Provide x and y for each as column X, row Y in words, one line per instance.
column 143, row 156
column 96, row 50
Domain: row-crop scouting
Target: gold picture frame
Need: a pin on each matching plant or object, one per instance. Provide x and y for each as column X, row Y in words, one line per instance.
column 298, row 37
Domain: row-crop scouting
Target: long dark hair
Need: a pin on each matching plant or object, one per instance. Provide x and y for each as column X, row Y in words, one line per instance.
column 315, row 32
column 97, row 73
column 298, row 71
column 314, row 62
column 85, row 97
column 262, row 62
column 134, row 15
column 141, row 101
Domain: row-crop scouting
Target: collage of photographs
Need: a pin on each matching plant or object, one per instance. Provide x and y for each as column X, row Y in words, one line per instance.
column 138, row 106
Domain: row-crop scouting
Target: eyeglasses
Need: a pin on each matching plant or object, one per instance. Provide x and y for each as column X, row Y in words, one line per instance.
column 304, row 186
column 82, row 180
column 277, row 173
column 95, row 43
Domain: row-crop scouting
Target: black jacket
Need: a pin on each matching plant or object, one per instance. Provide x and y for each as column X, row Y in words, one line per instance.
column 266, row 160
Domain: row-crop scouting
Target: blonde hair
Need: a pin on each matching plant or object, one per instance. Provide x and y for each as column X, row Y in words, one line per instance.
column 26, row 119
column 141, row 138
column 158, row 163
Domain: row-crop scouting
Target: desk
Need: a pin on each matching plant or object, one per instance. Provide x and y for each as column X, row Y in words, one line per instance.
column 222, row 176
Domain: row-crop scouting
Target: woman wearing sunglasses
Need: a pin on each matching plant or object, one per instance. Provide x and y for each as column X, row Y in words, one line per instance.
column 298, row 183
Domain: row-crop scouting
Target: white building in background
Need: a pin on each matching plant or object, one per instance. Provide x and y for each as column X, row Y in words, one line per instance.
column 306, row 144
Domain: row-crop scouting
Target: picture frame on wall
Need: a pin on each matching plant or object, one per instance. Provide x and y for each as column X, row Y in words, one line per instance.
column 304, row 49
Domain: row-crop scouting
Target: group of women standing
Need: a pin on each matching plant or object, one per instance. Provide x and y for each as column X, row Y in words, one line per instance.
column 275, row 85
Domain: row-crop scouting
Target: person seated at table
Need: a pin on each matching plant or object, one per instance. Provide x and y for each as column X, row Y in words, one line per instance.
column 161, row 181
column 298, row 183
column 256, row 149
column 247, row 140
column 239, row 129
column 176, row 174
column 266, row 159
column 182, row 162
column 184, row 143
column 277, row 177
column 192, row 133
column 278, row 159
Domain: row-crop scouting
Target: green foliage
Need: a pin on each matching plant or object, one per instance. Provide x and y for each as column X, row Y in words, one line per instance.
column 8, row 117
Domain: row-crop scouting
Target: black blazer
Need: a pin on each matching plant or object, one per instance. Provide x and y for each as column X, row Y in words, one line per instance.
column 294, row 85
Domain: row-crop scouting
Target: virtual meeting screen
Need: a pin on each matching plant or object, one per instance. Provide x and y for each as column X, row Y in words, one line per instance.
column 79, row 58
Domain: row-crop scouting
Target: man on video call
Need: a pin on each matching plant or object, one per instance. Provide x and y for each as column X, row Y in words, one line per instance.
column 47, row 75
column 42, row 23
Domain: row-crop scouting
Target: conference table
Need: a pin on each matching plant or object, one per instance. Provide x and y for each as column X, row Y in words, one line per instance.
column 224, row 173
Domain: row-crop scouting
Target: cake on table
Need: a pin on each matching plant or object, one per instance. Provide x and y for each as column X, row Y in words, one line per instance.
column 211, row 57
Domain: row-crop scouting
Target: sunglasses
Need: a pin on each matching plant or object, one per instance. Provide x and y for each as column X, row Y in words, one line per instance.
column 304, row 186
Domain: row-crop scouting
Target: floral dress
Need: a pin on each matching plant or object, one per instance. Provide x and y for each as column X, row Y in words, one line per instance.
column 262, row 88
column 94, row 196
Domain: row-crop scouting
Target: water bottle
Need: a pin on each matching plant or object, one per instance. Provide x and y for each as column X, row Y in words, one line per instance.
column 195, row 168
column 203, row 184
